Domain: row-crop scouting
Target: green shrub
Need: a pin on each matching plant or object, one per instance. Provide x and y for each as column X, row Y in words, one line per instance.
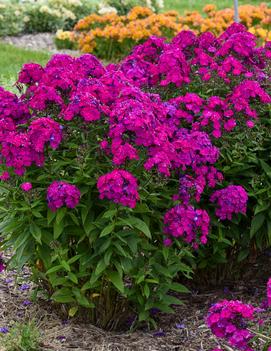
column 12, row 18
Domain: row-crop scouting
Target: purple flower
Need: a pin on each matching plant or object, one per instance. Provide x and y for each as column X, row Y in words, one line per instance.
column 61, row 193
column 180, row 326
column 119, row 186
column 24, row 287
column 159, row 333
column 230, row 200
column 4, row 330
column 26, row 186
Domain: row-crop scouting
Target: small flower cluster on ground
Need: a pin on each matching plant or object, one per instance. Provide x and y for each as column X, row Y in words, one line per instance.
column 235, row 321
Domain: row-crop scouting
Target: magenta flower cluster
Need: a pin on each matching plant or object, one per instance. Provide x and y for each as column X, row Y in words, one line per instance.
column 119, row 186
column 233, row 321
column 230, row 200
column 149, row 114
column 269, row 292
column 228, row 320
column 186, row 222
column 61, row 193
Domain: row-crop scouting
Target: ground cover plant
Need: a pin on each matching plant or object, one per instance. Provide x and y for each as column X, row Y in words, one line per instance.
column 111, row 36
column 118, row 181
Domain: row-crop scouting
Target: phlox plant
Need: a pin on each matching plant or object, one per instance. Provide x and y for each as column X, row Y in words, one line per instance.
column 115, row 178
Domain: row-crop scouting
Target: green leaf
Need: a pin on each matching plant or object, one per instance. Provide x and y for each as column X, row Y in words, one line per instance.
column 73, row 311
column 140, row 225
column 74, row 259
column 146, row 290
column 179, row 288
column 101, row 266
column 86, row 286
column 256, row 223
column 50, row 216
column 63, row 295
column 54, row 269
column 164, row 308
column 116, row 279
column 37, row 214
column 143, row 316
column 266, row 168
column 269, row 232
column 74, row 219
column 107, row 230
column 58, row 229
column 81, row 299
column 36, row 232
column 107, row 256
column 84, row 213
column 243, row 255
column 60, row 214
column 109, row 213
column 73, row 277
column 172, row 300
column 65, row 265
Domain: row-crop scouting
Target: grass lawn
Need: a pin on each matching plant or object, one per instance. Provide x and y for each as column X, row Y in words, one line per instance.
column 12, row 59
column 197, row 5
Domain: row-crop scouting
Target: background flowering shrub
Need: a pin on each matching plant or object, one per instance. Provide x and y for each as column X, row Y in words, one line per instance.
column 122, row 7
column 110, row 35
column 118, row 179
column 42, row 15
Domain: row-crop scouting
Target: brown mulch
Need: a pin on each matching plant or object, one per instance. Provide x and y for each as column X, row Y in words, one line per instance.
column 183, row 331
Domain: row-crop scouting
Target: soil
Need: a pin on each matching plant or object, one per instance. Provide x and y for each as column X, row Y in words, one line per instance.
column 39, row 41
column 183, row 331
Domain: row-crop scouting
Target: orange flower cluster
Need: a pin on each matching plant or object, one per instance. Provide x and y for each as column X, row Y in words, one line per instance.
column 256, row 18
column 111, row 36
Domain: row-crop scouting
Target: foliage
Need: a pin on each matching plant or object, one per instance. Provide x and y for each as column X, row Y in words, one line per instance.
column 41, row 16
column 21, row 337
column 11, row 19
column 110, row 36
column 118, row 180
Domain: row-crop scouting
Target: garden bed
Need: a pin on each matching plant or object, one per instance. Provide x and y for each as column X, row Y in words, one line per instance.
column 184, row 330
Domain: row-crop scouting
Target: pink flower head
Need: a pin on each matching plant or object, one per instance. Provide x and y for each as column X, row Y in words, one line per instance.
column 188, row 223
column 230, row 200
column 228, row 320
column 45, row 130
column 119, row 186
column 30, row 73
column 61, row 193
column 269, row 292
column 5, row 176
column 2, row 264
column 26, row 186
